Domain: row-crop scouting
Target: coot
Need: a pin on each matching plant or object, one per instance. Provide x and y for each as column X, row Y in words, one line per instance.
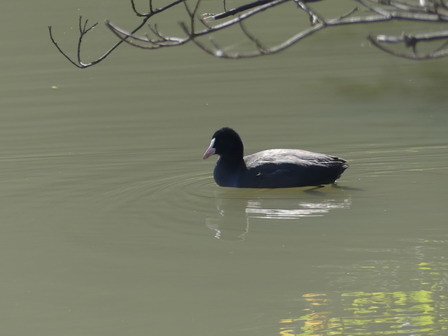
column 272, row 168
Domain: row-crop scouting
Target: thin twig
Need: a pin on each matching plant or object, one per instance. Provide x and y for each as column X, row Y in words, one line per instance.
column 261, row 48
column 240, row 9
column 134, row 8
column 414, row 56
column 149, row 43
column 314, row 17
column 233, row 21
column 84, row 29
column 50, row 30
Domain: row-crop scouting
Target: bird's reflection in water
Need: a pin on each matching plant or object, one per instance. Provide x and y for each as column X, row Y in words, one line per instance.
column 258, row 209
column 237, row 207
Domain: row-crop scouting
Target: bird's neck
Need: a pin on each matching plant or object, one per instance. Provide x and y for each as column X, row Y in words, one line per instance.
column 232, row 162
column 228, row 171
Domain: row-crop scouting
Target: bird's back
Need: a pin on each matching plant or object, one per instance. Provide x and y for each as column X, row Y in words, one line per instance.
column 282, row 168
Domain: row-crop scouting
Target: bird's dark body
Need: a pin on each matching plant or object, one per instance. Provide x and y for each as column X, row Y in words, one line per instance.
column 272, row 168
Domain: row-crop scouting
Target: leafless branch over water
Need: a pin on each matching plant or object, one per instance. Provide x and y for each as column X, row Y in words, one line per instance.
column 427, row 37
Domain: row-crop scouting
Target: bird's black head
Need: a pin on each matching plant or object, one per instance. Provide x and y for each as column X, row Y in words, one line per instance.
column 226, row 143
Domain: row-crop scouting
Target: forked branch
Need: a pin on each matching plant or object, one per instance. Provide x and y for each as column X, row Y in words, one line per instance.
column 416, row 46
column 84, row 29
column 376, row 11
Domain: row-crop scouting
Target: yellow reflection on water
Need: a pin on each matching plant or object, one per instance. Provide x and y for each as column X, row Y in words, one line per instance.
column 420, row 311
column 370, row 313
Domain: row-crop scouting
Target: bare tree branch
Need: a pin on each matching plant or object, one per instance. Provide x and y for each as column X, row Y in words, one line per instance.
column 417, row 46
column 314, row 17
column 240, row 9
column 84, row 31
column 380, row 11
column 260, row 47
column 188, row 28
column 147, row 42
column 411, row 41
column 318, row 23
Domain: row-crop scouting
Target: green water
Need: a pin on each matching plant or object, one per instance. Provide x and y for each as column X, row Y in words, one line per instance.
column 111, row 223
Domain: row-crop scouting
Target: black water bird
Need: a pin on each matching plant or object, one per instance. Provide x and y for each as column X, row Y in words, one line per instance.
column 272, row 168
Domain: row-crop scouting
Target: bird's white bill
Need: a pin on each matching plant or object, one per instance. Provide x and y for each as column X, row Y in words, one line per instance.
column 210, row 150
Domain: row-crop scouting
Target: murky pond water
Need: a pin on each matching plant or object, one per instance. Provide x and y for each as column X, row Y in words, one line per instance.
column 111, row 224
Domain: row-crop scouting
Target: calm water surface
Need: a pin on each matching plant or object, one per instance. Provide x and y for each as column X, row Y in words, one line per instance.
column 111, row 224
